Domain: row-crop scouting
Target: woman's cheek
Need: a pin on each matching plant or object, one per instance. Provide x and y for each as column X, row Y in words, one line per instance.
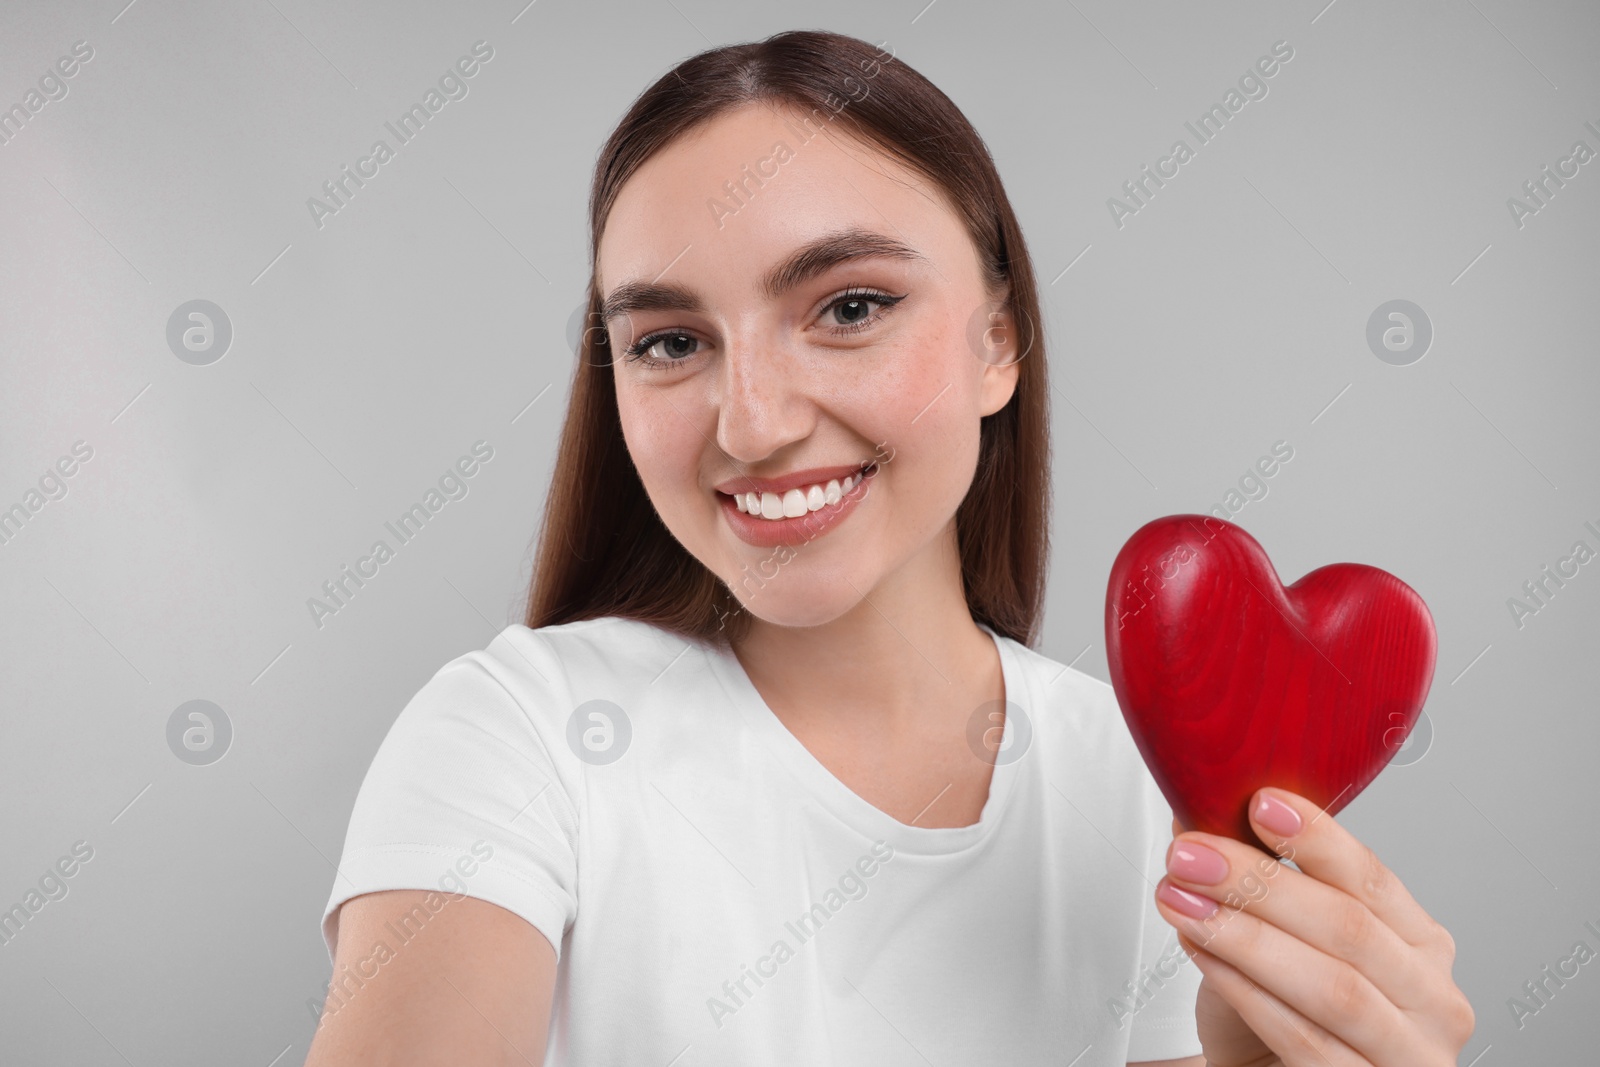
column 923, row 408
column 903, row 388
column 665, row 452
column 932, row 465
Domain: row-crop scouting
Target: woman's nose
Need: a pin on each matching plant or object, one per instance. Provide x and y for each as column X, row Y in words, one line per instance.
column 763, row 401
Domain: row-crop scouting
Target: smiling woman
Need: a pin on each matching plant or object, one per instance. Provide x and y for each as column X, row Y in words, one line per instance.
column 844, row 814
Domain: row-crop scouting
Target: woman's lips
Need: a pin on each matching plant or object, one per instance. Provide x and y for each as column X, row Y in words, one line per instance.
column 792, row 480
column 768, row 533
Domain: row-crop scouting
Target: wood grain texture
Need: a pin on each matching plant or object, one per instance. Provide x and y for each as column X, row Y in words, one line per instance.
column 1230, row 681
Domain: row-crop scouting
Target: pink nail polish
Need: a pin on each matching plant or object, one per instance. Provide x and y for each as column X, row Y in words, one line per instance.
column 1277, row 816
column 1197, row 863
column 1190, row 904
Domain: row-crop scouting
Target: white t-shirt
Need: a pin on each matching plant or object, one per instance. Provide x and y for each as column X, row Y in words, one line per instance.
column 716, row 896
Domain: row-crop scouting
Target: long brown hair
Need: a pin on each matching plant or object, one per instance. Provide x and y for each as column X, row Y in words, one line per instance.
column 603, row 550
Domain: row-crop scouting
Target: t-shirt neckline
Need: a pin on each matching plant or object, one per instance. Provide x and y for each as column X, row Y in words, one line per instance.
column 838, row 798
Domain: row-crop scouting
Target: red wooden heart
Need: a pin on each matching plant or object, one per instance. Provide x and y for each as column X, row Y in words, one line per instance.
column 1229, row 681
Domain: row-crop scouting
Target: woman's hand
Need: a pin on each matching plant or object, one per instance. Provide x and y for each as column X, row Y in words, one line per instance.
column 1334, row 965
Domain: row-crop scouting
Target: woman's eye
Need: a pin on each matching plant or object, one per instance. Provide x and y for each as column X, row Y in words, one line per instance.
column 672, row 344
column 850, row 310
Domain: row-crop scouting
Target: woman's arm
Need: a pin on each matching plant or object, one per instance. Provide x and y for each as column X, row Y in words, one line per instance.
column 472, row 986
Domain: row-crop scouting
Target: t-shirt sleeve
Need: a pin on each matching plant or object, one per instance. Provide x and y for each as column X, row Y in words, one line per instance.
column 466, row 795
column 1164, row 1027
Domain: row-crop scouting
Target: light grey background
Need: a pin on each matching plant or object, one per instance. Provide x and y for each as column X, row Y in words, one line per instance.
column 432, row 312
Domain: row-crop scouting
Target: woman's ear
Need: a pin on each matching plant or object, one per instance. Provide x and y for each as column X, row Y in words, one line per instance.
column 998, row 385
column 1002, row 360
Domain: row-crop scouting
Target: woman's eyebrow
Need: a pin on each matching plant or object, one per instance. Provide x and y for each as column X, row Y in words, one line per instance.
column 803, row 264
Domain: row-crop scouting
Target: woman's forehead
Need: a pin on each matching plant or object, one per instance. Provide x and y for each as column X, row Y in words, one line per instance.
column 746, row 190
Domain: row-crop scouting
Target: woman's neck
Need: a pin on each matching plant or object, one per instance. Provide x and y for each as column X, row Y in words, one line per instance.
column 884, row 695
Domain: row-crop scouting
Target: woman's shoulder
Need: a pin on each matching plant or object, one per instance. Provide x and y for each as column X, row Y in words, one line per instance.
column 1085, row 749
column 613, row 644
column 1073, row 710
column 541, row 672
column 1064, row 687
column 532, row 698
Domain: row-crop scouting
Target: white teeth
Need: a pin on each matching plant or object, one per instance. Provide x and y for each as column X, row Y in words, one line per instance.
column 796, row 502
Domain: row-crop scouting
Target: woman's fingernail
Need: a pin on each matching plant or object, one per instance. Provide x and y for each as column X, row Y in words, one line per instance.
column 1277, row 816
column 1191, row 904
column 1197, row 863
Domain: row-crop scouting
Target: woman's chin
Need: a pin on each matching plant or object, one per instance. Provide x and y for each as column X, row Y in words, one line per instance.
column 800, row 608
